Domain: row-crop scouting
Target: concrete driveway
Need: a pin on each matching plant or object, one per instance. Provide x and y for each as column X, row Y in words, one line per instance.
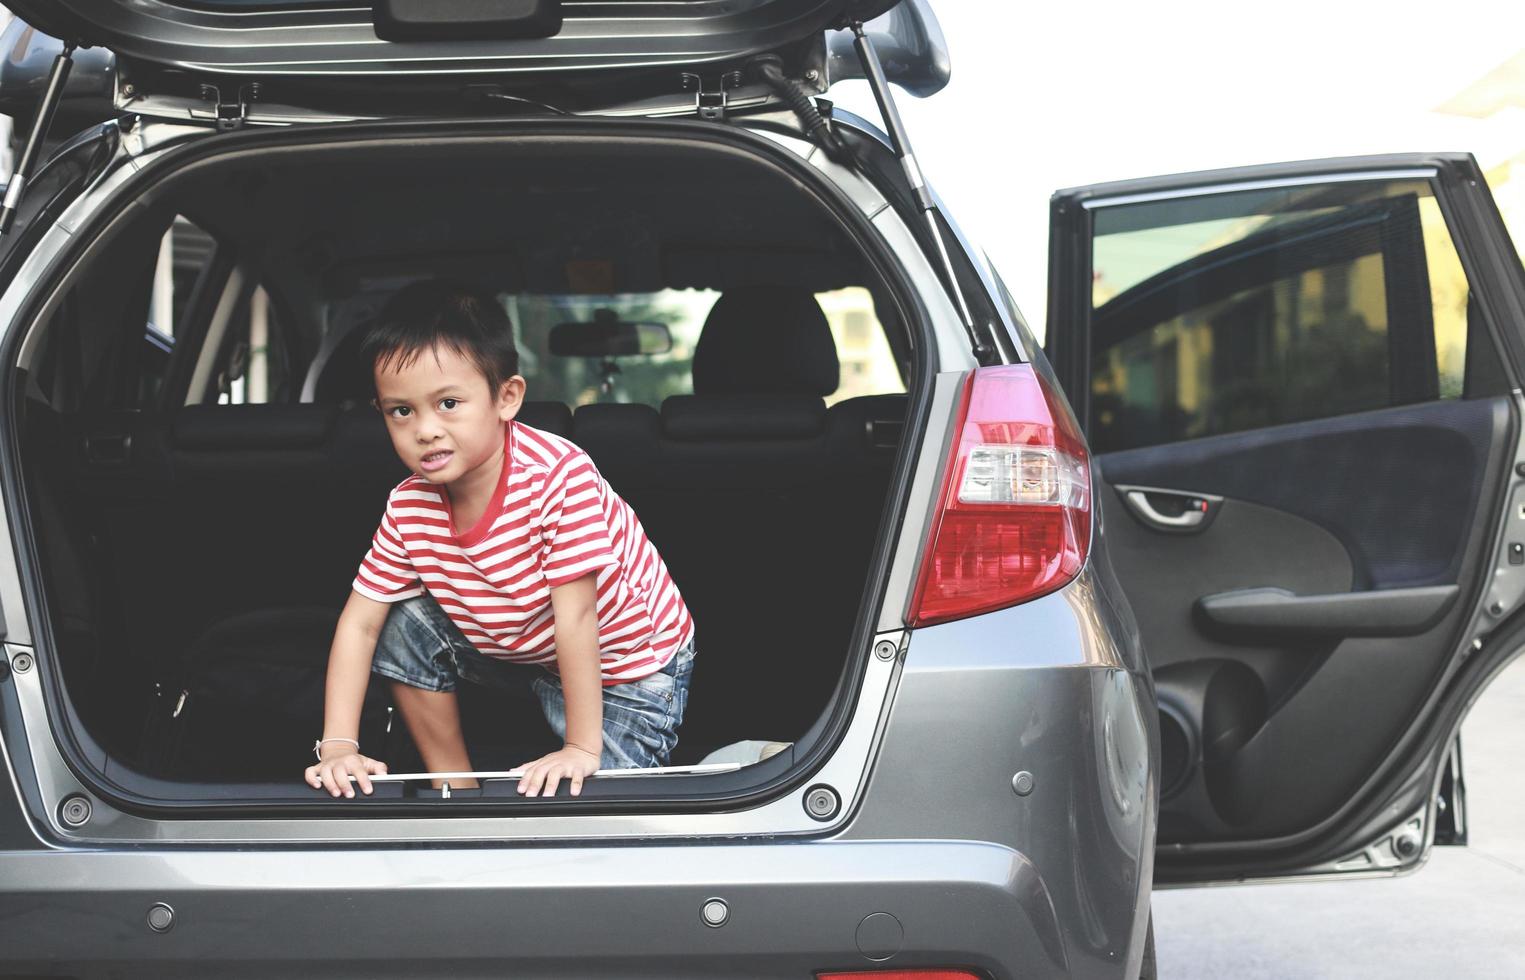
column 1462, row 915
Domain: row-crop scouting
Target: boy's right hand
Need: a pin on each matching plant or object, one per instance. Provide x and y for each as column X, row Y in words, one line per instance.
column 333, row 774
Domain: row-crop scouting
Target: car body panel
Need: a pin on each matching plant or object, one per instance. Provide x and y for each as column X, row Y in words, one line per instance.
column 1086, row 812
column 792, row 909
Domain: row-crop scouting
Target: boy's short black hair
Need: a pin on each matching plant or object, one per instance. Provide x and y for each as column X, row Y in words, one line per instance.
column 436, row 312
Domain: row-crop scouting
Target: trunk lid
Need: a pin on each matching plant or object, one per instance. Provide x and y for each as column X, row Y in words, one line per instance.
column 569, row 41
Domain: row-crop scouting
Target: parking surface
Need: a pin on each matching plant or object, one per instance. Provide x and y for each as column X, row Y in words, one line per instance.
column 1462, row 915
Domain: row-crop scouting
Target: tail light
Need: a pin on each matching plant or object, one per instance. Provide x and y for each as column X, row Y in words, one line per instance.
column 1014, row 514
column 910, row 974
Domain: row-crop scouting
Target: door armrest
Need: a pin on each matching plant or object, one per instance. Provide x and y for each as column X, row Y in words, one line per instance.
column 1388, row 612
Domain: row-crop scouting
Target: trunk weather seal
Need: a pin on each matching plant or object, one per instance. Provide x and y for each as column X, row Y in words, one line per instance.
column 125, row 198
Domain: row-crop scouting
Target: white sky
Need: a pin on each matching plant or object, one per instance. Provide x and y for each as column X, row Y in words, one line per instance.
column 1053, row 95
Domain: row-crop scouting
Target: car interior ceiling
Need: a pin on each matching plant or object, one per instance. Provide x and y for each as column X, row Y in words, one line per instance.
column 195, row 556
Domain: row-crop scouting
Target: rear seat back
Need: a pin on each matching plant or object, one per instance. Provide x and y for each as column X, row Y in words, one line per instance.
column 763, row 503
column 299, row 489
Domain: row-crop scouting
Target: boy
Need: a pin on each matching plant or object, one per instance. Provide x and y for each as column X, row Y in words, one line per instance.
column 505, row 545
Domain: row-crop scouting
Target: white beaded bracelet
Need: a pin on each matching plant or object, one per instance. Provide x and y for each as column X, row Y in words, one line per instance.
column 317, row 747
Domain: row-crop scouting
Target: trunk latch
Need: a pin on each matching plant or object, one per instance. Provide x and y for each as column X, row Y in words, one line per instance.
column 231, row 115
column 711, row 103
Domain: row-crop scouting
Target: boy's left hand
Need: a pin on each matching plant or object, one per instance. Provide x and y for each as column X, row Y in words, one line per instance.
column 569, row 762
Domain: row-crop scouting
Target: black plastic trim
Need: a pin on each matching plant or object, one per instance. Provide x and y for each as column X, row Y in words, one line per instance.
column 1388, row 612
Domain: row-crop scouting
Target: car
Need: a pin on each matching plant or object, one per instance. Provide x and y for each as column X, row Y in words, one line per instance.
column 995, row 636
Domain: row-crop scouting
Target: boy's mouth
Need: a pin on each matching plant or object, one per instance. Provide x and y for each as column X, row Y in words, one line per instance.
column 435, row 460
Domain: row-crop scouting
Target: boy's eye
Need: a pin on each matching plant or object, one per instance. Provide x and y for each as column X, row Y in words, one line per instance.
column 448, row 403
column 399, row 411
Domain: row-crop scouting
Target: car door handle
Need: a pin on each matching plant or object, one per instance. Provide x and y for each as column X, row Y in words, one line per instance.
column 1189, row 511
column 1386, row 612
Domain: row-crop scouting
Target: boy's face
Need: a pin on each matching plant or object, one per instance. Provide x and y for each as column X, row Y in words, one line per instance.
column 445, row 422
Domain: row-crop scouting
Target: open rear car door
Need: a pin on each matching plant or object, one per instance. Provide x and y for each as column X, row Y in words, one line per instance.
column 1300, row 384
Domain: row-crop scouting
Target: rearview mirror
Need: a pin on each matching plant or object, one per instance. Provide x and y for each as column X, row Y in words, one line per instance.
column 609, row 336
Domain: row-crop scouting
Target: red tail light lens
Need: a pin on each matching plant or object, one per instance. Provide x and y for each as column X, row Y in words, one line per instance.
column 1014, row 520
column 911, row 974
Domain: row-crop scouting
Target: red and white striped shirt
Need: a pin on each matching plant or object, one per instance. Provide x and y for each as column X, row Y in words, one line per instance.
column 552, row 520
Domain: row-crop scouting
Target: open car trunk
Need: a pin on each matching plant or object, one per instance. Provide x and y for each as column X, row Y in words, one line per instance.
column 202, row 490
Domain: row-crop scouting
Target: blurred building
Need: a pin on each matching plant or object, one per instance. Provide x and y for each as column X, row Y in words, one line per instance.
column 1497, row 97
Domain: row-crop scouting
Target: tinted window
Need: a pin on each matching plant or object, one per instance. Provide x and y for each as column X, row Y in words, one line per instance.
column 867, row 363
column 184, row 253
column 1221, row 313
column 261, row 360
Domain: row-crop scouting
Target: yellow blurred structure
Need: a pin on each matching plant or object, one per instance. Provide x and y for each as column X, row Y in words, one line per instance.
column 1498, row 98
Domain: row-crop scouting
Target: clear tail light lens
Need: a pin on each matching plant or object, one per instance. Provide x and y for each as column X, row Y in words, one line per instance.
column 1014, row 520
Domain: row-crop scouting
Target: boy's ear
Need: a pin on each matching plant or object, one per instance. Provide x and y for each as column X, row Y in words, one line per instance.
column 510, row 397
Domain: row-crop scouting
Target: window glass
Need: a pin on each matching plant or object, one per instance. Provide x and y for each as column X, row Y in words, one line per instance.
column 110, row 342
column 184, row 252
column 256, row 364
column 1449, row 296
column 1221, row 313
column 867, row 363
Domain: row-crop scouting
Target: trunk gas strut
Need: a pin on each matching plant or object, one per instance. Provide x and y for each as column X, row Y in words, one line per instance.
column 45, row 109
column 901, row 141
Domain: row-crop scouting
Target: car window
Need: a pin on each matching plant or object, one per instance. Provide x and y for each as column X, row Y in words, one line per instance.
column 866, row 359
column 1228, row 312
column 111, row 340
column 184, row 253
column 867, row 363
column 260, row 360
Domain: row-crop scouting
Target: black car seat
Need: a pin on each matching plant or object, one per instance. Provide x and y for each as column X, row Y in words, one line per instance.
column 734, row 484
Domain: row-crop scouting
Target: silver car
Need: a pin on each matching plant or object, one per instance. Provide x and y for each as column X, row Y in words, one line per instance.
column 1273, row 440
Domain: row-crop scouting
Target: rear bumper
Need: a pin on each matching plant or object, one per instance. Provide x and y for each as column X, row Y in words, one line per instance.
column 532, row 911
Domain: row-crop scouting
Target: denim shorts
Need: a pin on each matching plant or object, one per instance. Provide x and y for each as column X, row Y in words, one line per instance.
column 420, row 647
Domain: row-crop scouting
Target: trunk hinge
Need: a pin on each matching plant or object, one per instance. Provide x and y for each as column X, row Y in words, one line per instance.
column 710, row 103
column 45, row 109
column 231, row 115
column 902, row 144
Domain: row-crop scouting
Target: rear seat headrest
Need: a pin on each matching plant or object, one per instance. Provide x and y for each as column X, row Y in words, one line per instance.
column 766, row 340
column 344, row 378
column 553, row 417
column 697, row 417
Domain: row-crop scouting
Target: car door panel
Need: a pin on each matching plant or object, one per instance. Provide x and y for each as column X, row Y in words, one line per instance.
column 1303, row 426
column 1300, row 513
column 1398, row 486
